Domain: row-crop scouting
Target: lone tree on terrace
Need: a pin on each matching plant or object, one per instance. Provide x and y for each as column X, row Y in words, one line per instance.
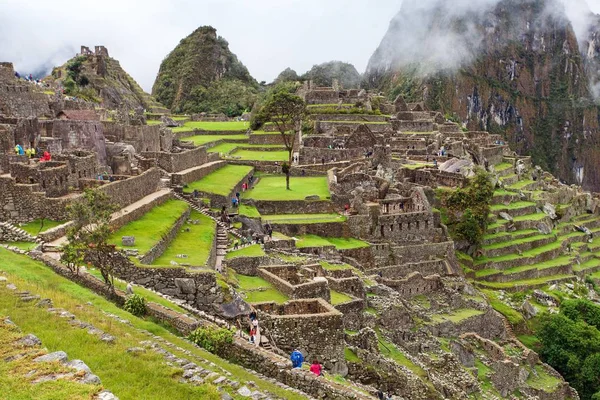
column 286, row 111
column 89, row 234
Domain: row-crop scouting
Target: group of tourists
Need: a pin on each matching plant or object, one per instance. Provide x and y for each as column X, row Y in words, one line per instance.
column 254, row 330
column 297, row 359
column 31, row 152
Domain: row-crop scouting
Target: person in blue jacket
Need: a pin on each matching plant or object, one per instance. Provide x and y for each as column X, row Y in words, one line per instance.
column 297, row 359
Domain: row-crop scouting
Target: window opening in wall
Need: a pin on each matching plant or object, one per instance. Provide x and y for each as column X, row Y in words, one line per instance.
column 381, row 228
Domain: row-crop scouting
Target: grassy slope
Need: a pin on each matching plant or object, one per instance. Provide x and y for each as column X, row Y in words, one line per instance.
column 221, row 181
column 273, row 188
column 196, row 243
column 199, row 140
column 149, row 229
column 303, row 218
column 339, row 243
column 33, row 227
column 251, row 251
column 129, row 376
column 255, row 290
column 256, row 155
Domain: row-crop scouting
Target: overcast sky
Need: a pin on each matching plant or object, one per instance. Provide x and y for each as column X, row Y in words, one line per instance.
column 267, row 35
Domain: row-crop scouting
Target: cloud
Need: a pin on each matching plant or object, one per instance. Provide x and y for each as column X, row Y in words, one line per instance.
column 267, row 35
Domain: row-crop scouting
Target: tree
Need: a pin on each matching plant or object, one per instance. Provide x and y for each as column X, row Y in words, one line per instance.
column 286, row 111
column 91, row 216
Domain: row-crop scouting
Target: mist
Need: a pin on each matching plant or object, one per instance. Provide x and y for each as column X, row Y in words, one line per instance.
column 435, row 35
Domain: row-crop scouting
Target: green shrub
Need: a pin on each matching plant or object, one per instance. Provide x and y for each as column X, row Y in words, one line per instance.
column 518, row 297
column 136, row 305
column 211, row 338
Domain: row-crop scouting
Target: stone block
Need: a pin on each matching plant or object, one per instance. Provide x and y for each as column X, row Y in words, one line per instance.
column 185, row 285
column 128, row 241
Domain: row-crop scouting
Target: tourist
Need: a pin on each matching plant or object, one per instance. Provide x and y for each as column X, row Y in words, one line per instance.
column 252, row 315
column 234, row 202
column 46, row 156
column 323, row 161
column 19, row 150
column 129, row 289
column 297, row 359
column 435, row 163
column 252, row 334
column 236, row 245
column 303, row 173
column 195, row 193
column 237, row 196
column 380, row 395
column 316, row 368
column 389, row 396
column 347, row 209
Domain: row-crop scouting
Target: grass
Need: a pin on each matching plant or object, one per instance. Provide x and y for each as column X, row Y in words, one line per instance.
column 213, row 126
column 508, row 243
column 257, row 290
column 248, row 211
column 35, row 227
column 251, row 251
column 526, row 282
column 334, row 267
column 256, row 155
column 221, row 181
column 350, row 356
column 483, row 376
column 304, row 218
column 542, row 380
column 200, row 140
column 521, row 184
column 530, row 341
column 512, row 206
column 150, row 228
column 16, row 376
column 390, row 350
column 128, row 376
column 514, row 317
column 502, row 167
column 456, row 316
column 196, row 243
column 339, row 243
column 339, row 298
column 273, row 188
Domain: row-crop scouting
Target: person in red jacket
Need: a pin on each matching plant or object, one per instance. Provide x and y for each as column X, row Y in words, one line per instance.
column 46, row 156
column 316, row 368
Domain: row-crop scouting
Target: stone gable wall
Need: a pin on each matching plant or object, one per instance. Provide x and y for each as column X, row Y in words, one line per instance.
column 415, row 284
column 307, row 290
column 127, row 192
column 177, row 162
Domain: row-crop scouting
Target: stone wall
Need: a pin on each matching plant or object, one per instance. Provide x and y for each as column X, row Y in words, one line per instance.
column 74, row 135
column 271, row 139
column 81, row 165
column 435, row 178
column 22, row 100
column 413, row 285
column 279, row 277
column 127, row 192
column 195, row 174
column 246, row 265
column 160, row 247
column 266, row 207
column 489, row 325
column 425, row 268
column 315, row 155
column 312, row 326
column 143, row 138
column 198, row 288
column 10, row 233
column 326, row 229
column 352, row 285
column 177, row 162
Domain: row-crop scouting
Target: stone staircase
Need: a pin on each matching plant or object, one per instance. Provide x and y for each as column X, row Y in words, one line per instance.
column 8, row 229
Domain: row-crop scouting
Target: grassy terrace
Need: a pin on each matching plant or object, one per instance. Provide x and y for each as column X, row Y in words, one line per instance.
column 251, row 251
column 526, row 254
column 339, row 298
column 200, row 140
column 257, row 155
column 502, row 245
column 503, row 167
column 456, row 316
column 256, row 290
column 227, row 148
column 563, row 260
column 512, row 206
column 521, row 184
column 273, row 188
column 303, row 218
column 358, row 122
column 526, row 282
column 212, row 126
column 35, row 227
column 221, row 181
column 248, row 211
column 150, row 228
column 127, row 375
column 196, row 243
column 339, row 243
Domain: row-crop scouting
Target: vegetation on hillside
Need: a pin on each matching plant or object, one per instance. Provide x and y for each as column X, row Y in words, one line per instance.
column 324, row 74
column 467, row 209
column 570, row 342
column 202, row 75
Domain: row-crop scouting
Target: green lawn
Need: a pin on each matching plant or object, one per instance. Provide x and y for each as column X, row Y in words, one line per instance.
column 334, row 267
column 273, row 188
column 256, row 290
column 339, row 243
column 251, row 251
column 33, row 227
column 127, row 375
column 151, row 122
column 248, row 211
column 255, row 155
column 213, row 126
column 196, row 243
column 303, row 218
column 338, row 298
column 22, row 245
column 200, row 140
column 225, row 148
column 221, row 181
column 150, row 228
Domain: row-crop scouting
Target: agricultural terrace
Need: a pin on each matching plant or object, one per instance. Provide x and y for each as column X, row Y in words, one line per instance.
column 339, row 243
column 257, row 155
column 273, row 188
column 150, row 228
column 200, row 140
column 221, row 181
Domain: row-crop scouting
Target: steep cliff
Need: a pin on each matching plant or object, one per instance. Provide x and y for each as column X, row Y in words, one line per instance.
column 508, row 66
column 202, row 75
column 95, row 76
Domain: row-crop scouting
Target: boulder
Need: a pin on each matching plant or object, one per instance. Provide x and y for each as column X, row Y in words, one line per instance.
column 186, row 285
column 29, row 341
column 59, row 356
column 506, row 216
column 244, row 391
column 550, row 210
column 79, row 365
column 128, row 241
column 313, row 197
column 529, row 310
column 169, row 122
